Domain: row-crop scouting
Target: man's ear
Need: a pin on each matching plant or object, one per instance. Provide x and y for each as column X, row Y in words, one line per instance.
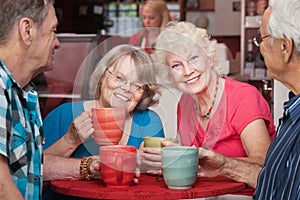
column 26, row 30
column 287, row 47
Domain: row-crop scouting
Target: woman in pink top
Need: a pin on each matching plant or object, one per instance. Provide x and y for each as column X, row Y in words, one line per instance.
column 215, row 112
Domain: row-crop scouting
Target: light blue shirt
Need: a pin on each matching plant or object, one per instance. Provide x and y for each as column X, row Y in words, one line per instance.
column 20, row 134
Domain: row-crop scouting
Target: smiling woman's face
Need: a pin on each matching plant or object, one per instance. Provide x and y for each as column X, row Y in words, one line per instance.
column 190, row 70
column 114, row 94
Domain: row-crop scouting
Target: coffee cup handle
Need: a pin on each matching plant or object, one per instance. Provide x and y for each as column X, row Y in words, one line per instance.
column 119, row 162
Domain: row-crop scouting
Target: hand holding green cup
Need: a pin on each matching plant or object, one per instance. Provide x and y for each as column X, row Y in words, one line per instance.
column 152, row 154
column 155, row 142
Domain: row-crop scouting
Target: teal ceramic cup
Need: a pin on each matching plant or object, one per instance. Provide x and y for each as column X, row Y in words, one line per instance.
column 179, row 166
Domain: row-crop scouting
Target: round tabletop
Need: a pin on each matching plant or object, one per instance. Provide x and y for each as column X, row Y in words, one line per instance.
column 149, row 187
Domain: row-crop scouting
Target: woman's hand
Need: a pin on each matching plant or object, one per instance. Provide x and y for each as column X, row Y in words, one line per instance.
column 80, row 129
column 150, row 159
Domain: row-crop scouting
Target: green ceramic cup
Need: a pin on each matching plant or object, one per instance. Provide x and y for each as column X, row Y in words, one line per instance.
column 179, row 166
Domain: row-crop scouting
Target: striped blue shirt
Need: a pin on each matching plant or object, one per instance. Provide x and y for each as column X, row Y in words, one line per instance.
column 280, row 176
column 20, row 135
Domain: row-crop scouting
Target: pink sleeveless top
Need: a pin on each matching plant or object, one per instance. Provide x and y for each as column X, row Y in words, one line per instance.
column 240, row 104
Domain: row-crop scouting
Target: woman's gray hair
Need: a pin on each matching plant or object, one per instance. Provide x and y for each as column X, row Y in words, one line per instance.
column 144, row 66
column 182, row 36
column 11, row 11
column 284, row 20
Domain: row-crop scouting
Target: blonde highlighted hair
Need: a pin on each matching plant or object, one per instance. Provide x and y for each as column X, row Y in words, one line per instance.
column 160, row 7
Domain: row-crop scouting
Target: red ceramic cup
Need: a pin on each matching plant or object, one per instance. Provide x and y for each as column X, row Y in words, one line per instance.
column 109, row 114
column 108, row 124
column 118, row 165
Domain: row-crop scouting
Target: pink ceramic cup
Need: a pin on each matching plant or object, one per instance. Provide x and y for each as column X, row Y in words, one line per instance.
column 118, row 165
column 108, row 124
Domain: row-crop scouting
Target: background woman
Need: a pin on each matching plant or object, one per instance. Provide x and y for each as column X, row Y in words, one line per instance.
column 155, row 15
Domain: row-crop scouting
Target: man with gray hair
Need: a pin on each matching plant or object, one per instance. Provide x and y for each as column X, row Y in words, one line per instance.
column 27, row 45
column 279, row 43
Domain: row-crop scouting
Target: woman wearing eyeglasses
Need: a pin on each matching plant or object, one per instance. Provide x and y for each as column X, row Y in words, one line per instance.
column 215, row 112
column 123, row 78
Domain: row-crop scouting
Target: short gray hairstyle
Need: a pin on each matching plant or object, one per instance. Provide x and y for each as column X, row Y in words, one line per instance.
column 284, row 20
column 144, row 66
column 11, row 11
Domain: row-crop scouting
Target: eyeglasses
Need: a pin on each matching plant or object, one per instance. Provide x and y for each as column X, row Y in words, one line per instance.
column 121, row 80
column 258, row 39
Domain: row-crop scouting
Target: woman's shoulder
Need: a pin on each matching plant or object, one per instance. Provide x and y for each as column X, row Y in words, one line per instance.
column 135, row 39
column 70, row 105
column 238, row 87
column 240, row 93
column 66, row 109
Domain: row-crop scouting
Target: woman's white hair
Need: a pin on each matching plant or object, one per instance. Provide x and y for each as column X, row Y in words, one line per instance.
column 182, row 36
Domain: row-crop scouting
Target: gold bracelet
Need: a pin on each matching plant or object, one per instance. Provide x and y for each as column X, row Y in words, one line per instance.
column 81, row 169
column 85, row 168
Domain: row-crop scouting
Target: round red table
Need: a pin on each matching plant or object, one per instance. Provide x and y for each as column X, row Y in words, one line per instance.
column 149, row 187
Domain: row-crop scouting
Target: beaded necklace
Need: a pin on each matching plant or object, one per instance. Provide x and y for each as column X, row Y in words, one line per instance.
column 207, row 115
